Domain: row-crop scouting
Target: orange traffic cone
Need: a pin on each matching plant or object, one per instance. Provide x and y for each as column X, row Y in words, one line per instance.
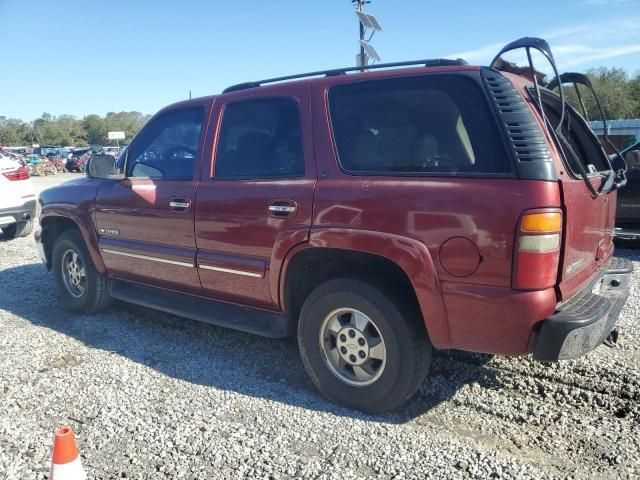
column 65, row 460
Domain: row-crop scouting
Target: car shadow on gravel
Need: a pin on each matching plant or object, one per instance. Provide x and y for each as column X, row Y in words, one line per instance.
column 215, row 357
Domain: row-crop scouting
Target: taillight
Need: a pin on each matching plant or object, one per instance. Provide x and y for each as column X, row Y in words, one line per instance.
column 537, row 250
column 19, row 174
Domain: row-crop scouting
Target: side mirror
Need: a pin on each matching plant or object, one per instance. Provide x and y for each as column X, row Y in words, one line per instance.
column 633, row 159
column 102, row 166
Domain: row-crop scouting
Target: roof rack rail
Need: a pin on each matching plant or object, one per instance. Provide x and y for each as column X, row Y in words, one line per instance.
column 438, row 62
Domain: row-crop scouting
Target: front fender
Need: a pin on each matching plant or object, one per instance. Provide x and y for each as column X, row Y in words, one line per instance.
column 83, row 220
column 410, row 255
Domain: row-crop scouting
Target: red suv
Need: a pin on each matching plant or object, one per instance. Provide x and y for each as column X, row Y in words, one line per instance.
column 378, row 214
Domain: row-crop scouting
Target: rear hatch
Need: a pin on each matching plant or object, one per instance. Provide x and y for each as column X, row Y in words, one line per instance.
column 589, row 203
column 588, row 181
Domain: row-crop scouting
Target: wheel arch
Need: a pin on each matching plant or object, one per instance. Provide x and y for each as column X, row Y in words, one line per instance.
column 400, row 262
column 56, row 220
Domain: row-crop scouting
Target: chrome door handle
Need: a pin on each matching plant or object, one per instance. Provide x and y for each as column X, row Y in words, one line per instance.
column 180, row 204
column 286, row 209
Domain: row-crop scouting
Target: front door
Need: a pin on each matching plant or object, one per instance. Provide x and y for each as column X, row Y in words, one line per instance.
column 145, row 222
column 255, row 200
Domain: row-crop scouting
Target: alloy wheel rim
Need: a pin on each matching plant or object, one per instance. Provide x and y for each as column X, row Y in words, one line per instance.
column 74, row 273
column 353, row 347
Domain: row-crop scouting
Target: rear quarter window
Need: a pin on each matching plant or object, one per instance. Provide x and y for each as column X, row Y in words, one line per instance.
column 419, row 125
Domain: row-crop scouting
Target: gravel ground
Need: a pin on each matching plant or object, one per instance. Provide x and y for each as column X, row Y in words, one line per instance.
column 150, row 395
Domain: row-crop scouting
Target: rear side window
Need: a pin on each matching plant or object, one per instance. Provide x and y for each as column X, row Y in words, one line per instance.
column 436, row 124
column 260, row 139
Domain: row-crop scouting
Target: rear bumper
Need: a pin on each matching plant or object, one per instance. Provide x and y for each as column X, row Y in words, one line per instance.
column 19, row 213
column 625, row 233
column 583, row 322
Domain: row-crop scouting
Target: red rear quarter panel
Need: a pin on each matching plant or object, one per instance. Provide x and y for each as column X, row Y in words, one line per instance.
column 478, row 313
column 589, row 223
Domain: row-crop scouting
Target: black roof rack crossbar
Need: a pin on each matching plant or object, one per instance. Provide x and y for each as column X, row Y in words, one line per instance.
column 438, row 62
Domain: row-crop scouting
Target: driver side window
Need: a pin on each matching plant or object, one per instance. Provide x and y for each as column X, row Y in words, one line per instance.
column 168, row 148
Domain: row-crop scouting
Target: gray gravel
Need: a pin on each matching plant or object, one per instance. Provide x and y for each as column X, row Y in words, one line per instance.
column 150, row 395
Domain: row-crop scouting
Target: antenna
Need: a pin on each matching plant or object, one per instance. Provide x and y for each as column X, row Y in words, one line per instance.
column 368, row 24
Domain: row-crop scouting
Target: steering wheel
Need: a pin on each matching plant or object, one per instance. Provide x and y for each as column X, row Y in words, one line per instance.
column 179, row 147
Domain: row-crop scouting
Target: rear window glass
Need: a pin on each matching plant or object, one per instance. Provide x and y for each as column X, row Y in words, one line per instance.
column 436, row 124
column 582, row 144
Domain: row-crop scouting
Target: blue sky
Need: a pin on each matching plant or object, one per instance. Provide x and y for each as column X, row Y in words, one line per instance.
column 95, row 56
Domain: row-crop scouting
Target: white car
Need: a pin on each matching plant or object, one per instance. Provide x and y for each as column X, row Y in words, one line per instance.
column 4, row 156
column 17, row 199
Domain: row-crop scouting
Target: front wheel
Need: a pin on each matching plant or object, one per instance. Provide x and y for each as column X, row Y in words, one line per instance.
column 80, row 286
column 362, row 347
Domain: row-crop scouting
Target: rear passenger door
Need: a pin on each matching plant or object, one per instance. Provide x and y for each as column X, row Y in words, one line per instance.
column 254, row 201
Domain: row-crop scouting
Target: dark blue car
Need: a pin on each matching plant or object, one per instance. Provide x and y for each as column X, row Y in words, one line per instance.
column 628, row 213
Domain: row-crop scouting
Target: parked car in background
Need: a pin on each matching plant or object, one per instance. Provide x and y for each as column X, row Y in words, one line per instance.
column 15, row 157
column 630, row 148
column 77, row 160
column 47, row 150
column 17, row 150
column 6, row 156
column 113, row 151
column 377, row 215
column 17, row 199
column 628, row 213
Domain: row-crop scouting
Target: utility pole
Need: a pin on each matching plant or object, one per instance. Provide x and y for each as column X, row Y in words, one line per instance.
column 367, row 23
column 359, row 4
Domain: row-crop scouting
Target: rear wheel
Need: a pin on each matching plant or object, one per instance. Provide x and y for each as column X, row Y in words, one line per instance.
column 78, row 283
column 362, row 347
column 18, row 229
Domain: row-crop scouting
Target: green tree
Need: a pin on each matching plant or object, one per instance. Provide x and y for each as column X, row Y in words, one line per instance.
column 95, row 130
column 67, row 130
column 634, row 93
column 12, row 131
column 617, row 93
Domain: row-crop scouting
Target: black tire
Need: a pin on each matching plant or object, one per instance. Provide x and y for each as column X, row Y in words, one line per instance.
column 18, row 229
column 408, row 349
column 95, row 296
